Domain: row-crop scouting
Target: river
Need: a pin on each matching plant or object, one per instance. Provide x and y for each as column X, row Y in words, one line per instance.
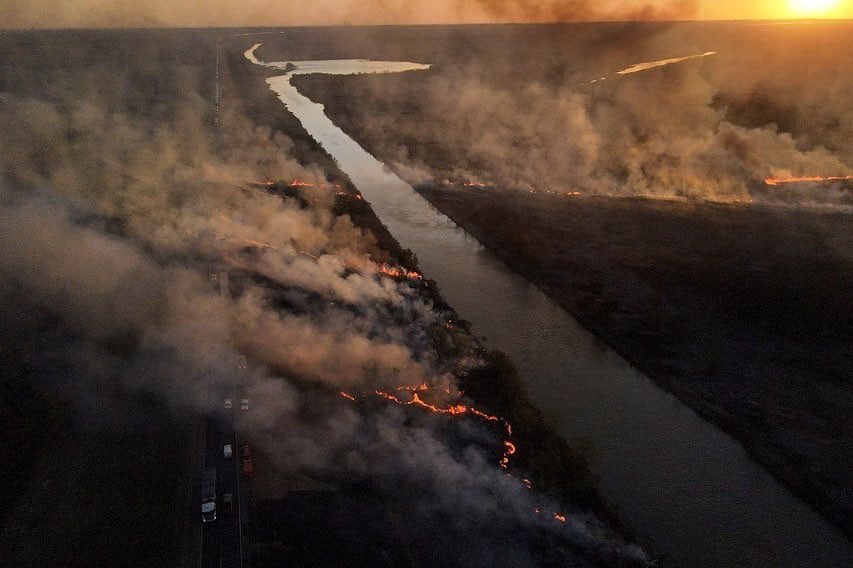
column 676, row 480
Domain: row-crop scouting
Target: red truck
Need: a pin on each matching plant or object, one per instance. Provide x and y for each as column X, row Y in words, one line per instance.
column 247, row 464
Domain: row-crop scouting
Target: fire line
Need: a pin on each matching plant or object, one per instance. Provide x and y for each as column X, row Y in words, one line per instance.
column 780, row 181
column 458, row 410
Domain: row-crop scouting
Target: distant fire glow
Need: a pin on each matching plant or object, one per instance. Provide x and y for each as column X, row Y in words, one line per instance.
column 645, row 66
column 784, row 180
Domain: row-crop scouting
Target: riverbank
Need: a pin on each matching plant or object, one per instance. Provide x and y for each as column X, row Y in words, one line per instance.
column 734, row 309
column 556, row 469
column 738, row 311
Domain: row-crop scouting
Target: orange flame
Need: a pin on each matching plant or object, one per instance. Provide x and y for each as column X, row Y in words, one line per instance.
column 399, row 272
column 457, row 409
column 296, row 182
column 780, row 180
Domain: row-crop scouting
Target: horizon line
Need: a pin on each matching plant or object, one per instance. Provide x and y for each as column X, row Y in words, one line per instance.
column 782, row 21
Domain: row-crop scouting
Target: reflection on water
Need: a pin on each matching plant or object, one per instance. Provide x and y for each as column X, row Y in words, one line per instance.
column 675, row 479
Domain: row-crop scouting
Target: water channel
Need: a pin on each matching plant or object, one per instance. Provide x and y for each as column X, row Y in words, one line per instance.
column 675, row 479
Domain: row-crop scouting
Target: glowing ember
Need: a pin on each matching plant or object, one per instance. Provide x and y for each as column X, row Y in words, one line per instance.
column 454, row 410
column 556, row 516
column 451, row 410
column 300, row 183
column 457, row 409
column 781, row 181
column 509, row 449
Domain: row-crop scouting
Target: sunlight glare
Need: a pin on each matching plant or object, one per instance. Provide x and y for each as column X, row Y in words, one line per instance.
column 811, row 7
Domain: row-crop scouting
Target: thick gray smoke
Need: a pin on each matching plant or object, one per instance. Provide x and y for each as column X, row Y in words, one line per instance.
column 177, row 205
column 152, row 13
column 115, row 225
column 554, row 113
column 585, row 10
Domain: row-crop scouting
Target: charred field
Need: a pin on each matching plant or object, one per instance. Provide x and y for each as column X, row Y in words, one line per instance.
column 126, row 193
column 639, row 202
column 749, row 332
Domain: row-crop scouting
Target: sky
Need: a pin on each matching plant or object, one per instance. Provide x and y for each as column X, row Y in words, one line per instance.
column 190, row 13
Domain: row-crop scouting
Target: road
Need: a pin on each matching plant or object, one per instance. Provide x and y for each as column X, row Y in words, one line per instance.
column 221, row 545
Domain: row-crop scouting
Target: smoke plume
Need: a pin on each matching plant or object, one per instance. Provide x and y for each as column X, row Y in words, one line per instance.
column 154, row 13
column 558, row 113
column 120, row 211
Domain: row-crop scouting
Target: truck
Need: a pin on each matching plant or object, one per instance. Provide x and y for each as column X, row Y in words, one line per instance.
column 247, row 463
column 208, row 495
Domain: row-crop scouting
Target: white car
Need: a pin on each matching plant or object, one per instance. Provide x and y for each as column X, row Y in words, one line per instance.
column 227, row 452
column 228, row 404
column 244, row 404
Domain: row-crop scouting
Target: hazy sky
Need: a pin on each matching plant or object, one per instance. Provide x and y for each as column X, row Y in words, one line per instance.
column 99, row 13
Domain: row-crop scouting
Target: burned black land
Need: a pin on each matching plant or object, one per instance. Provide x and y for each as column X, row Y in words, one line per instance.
column 638, row 201
column 739, row 311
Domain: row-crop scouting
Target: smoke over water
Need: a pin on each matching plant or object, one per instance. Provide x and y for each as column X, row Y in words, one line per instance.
column 714, row 111
column 118, row 219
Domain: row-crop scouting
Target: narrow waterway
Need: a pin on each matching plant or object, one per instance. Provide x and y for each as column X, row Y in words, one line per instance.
column 676, row 479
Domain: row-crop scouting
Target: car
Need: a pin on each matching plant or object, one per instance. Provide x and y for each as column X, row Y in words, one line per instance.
column 226, row 451
column 244, row 404
column 208, row 511
column 227, row 502
column 228, row 404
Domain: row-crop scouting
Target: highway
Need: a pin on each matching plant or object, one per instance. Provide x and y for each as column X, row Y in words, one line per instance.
column 221, row 540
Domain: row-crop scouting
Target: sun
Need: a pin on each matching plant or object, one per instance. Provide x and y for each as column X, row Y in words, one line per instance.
column 806, row 8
